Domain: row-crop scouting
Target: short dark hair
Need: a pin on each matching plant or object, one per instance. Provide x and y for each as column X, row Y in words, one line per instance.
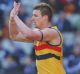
column 45, row 10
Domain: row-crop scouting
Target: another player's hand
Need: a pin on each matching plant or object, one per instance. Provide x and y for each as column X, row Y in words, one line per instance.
column 15, row 9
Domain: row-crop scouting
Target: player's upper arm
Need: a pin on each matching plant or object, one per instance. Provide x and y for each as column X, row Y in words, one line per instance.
column 45, row 35
column 49, row 34
column 37, row 35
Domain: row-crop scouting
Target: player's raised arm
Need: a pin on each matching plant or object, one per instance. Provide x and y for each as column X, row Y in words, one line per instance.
column 17, row 29
column 14, row 32
column 26, row 32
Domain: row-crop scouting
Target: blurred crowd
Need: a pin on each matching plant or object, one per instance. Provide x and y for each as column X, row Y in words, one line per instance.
column 19, row 57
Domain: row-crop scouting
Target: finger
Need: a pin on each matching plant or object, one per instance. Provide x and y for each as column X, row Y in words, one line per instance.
column 17, row 7
column 15, row 4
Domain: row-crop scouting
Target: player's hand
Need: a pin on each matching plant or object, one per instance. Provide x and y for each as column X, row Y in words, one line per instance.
column 15, row 9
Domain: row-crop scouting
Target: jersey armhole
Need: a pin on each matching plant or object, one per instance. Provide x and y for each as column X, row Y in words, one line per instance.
column 59, row 36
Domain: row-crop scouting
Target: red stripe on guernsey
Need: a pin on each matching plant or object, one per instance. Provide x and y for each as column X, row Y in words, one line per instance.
column 44, row 46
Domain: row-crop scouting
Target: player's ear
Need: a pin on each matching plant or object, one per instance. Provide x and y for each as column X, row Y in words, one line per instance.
column 45, row 17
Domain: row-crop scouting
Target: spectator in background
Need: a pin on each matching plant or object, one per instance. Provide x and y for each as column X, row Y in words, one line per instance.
column 30, row 66
column 78, row 6
column 70, row 14
column 1, row 19
column 6, row 5
column 28, row 5
column 72, row 63
column 23, row 14
column 10, row 64
column 64, row 22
